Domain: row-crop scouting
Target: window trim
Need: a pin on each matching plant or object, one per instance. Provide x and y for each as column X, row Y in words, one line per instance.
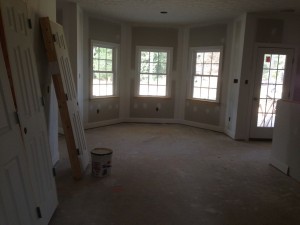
column 192, row 72
column 169, row 51
column 115, row 60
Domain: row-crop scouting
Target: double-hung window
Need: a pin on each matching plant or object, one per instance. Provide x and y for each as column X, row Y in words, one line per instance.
column 104, row 69
column 206, row 67
column 153, row 71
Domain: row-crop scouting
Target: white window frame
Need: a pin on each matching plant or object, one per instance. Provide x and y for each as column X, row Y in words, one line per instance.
column 169, row 51
column 193, row 53
column 115, row 66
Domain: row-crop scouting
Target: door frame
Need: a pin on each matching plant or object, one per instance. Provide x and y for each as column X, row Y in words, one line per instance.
column 252, row 75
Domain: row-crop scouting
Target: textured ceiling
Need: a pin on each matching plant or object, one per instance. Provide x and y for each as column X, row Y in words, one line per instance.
column 181, row 11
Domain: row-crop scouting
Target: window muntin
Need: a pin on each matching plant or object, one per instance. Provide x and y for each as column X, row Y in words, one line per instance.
column 103, row 69
column 206, row 73
column 153, row 72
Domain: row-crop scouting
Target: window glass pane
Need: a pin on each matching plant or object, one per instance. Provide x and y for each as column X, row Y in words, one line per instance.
column 278, row 92
column 145, row 56
column 102, row 78
column 199, row 69
column 161, row 90
column 260, row 119
column 96, row 52
column 269, row 105
column 145, row 68
column 208, row 57
column 108, row 65
column 281, row 63
column 143, row 90
column 205, row 82
column 265, row 76
column 200, row 57
column 109, row 90
column 264, row 91
column 162, row 80
column 213, row 82
column 163, row 57
column 153, row 67
column 153, row 79
column 273, row 76
column 109, row 77
column 102, row 65
column 207, row 69
column 216, row 57
column 96, row 64
column 143, row 79
column 274, row 61
column 152, row 90
column 280, row 76
column 214, row 69
column 109, row 53
column 271, row 91
column 262, row 105
column 153, row 56
column 204, row 93
column 102, row 90
column 212, row 94
column 162, row 68
column 96, row 78
column 196, row 93
column 102, row 53
column 197, row 81
column 267, row 61
column 95, row 90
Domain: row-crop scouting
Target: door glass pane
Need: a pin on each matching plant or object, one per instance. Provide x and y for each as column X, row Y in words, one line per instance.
column 271, row 88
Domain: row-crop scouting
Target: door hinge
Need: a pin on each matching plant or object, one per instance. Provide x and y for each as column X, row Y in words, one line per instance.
column 78, row 153
column 54, row 171
column 17, row 118
column 38, row 212
column 29, row 24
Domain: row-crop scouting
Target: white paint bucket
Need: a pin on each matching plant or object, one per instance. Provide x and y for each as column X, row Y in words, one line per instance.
column 101, row 162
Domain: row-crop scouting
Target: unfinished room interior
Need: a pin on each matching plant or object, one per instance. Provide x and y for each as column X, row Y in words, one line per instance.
column 150, row 112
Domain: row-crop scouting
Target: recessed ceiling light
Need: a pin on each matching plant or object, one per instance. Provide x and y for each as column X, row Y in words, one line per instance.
column 163, row 12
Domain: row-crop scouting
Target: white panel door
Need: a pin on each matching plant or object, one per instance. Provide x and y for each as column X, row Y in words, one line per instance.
column 17, row 204
column 69, row 86
column 29, row 104
column 273, row 75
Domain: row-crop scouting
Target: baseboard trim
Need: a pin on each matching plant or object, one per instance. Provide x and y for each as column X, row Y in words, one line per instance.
column 279, row 165
column 154, row 120
column 102, row 123
column 150, row 120
column 203, row 126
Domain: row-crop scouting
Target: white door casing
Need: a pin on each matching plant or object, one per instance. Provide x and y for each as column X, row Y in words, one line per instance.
column 22, row 64
column 272, row 82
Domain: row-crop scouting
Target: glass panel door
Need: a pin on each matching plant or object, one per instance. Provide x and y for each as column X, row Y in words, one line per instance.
column 272, row 82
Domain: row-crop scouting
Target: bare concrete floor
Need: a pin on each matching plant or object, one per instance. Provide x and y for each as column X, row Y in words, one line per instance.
column 177, row 175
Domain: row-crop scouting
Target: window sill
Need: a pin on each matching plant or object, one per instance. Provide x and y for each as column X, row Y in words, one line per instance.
column 204, row 101
column 103, row 98
column 152, row 97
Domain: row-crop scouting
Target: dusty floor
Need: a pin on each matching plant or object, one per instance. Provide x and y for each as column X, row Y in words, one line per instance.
column 177, row 175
